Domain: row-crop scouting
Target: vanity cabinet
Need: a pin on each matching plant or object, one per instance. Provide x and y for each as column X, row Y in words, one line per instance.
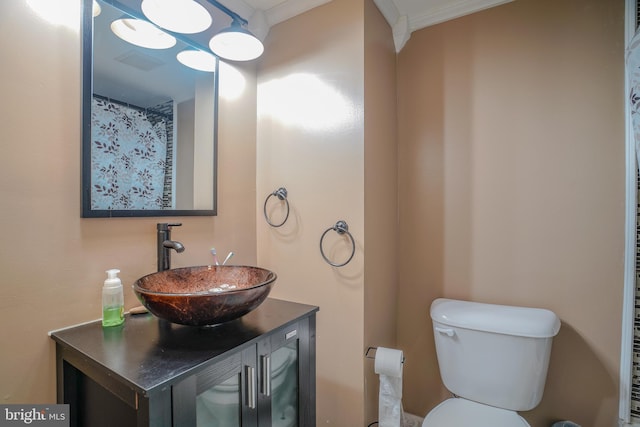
column 258, row 370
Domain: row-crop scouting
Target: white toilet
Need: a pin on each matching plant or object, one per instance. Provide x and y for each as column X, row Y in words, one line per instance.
column 493, row 358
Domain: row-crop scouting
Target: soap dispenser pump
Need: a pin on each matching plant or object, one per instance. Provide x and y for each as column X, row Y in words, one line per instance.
column 112, row 300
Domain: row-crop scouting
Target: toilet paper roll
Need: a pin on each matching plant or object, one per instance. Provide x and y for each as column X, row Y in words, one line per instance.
column 388, row 362
column 388, row 365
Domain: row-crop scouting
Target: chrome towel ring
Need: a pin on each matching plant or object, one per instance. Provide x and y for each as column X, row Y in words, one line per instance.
column 341, row 228
column 281, row 194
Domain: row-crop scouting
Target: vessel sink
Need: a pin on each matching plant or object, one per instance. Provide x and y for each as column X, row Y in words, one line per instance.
column 204, row 295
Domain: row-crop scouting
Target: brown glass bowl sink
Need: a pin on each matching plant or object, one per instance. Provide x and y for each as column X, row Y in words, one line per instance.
column 205, row 295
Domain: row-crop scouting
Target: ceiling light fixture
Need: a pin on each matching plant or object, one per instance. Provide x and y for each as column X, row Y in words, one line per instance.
column 179, row 16
column 198, row 60
column 235, row 43
column 96, row 9
column 142, row 33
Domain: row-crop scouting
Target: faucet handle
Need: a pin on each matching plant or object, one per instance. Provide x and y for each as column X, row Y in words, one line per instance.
column 165, row 226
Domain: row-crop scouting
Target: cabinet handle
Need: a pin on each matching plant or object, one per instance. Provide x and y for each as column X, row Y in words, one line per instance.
column 291, row 334
column 265, row 383
column 250, row 383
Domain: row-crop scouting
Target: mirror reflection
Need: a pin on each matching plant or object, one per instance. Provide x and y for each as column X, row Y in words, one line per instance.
column 149, row 122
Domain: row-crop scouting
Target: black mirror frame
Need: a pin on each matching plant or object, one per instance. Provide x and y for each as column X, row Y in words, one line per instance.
column 86, row 29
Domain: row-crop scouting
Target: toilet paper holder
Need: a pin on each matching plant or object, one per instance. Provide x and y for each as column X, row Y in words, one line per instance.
column 373, row 357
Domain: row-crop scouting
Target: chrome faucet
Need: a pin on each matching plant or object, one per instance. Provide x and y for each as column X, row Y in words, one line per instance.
column 165, row 244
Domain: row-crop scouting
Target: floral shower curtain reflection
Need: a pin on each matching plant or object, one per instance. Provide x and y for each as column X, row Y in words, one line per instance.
column 633, row 70
column 128, row 157
column 633, row 83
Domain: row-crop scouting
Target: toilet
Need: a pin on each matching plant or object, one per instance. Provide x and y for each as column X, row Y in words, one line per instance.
column 493, row 359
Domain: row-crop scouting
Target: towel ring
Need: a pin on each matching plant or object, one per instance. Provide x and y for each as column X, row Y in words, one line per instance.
column 341, row 228
column 281, row 194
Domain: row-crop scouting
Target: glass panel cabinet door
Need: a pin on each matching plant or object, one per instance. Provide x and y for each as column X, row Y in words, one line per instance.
column 270, row 383
column 284, row 385
column 218, row 396
column 220, row 405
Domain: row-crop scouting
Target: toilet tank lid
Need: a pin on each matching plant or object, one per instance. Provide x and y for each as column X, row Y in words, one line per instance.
column 500, row 319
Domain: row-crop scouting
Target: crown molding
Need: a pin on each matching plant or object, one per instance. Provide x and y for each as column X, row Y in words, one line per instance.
column 261, row 20
column 403, row 25
column 452, row 10
column 291, row 8
column 389, row 10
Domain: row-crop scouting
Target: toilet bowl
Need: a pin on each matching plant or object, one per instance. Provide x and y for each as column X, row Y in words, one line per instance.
column 493, row 358
column 457, row 412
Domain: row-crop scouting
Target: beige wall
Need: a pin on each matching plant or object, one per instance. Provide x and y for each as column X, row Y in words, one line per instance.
column 53, row 261
column 311, row 141
column 336, row 164
column 511, row 188
column 380, row 195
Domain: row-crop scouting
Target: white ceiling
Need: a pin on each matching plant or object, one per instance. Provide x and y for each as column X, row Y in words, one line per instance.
column 404, row 16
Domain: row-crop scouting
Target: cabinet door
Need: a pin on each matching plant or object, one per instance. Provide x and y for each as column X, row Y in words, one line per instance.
column 282, row 358
column 223, row 395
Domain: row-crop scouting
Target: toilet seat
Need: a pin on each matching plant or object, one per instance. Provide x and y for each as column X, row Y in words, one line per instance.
column 458, row 412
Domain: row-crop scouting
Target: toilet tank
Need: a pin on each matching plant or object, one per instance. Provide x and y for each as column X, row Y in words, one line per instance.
column 493, row 354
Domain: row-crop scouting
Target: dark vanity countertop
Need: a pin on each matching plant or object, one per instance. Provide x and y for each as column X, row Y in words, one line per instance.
column 146, row 352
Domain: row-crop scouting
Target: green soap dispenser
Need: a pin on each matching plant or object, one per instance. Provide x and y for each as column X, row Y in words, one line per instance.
column 112, row 300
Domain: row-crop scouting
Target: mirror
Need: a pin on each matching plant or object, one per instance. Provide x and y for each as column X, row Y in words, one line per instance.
column 149, row 123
